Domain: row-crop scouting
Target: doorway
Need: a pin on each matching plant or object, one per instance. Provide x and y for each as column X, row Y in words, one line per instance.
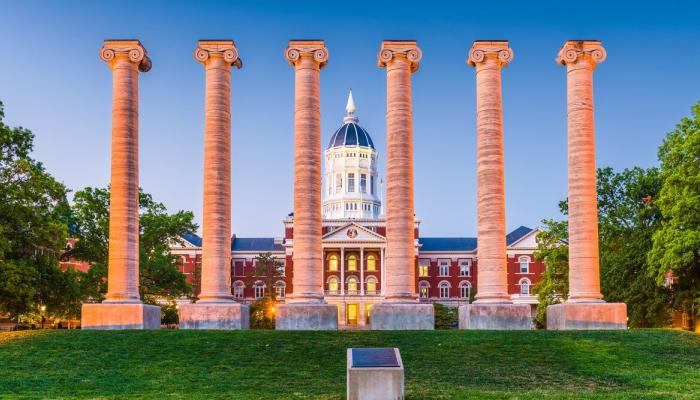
column 351, row 313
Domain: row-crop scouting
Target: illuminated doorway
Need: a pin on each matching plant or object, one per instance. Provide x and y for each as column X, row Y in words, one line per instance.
column 351, row 313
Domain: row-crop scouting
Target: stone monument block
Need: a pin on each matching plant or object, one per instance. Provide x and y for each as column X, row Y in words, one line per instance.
column 402, row 316
column 109, row 316
column 214, row 316
column 587, row 316
column 306, row 317
column 495, row 316
column 375, row 374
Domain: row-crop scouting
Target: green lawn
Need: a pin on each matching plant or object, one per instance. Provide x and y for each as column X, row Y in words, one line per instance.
column 257, row 365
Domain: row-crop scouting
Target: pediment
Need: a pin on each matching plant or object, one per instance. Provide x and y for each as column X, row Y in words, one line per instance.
column 353, row 232
column 527, row 241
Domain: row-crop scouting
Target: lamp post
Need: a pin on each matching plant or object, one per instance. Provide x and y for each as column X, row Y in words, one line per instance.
column 43, row 318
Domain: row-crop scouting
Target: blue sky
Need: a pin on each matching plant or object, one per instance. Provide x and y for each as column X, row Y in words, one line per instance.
column 52, row 81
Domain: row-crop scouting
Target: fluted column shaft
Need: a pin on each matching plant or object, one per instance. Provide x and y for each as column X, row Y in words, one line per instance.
column 400, row 59
column 125, row 59
column 489, row 58
column 217, row 58
column 307, row 57
column 580, row 58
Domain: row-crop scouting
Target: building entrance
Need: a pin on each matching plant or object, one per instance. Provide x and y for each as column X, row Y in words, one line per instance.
column 351, row 313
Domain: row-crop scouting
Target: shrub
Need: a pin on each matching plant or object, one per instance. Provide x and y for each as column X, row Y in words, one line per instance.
column 445, row 317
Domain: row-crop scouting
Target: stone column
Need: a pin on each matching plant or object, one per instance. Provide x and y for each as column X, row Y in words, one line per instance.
column 493, row 308
column 122, row 308
column 585, row 308
column 216, row 308
column 400, row 58
column 307, row 309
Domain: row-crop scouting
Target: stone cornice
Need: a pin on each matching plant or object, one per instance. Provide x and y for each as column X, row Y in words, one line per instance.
column 307, row 49
column 211, row 49
column 395, row 49
column 125, row 50
column 483, row 51
column 574, row 51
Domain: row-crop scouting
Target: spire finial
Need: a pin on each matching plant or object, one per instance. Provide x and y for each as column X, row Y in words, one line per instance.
column 350, row 108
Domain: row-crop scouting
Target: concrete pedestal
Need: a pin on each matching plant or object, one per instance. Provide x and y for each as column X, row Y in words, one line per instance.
column 402, row 316
column 306, row 317
column 375, row 382
column 587, row 316
column 214, row 316
column 495, row 316
column 120, row 316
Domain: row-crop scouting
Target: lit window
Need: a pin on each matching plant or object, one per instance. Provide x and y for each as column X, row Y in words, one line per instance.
column 363, row 183
column 352, row 263
column 464, row 268
column 351, row 182
column 465, row 289
column 371, row 285
column 371, row 263
column 333, row 262
column 525, row 287
column 444, row 268
column 352, row 285
column 444, row 290
column 423, row 268
column 423, row 288
column 333, row 285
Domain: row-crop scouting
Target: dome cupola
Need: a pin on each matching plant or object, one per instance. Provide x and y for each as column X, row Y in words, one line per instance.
column 352, row 188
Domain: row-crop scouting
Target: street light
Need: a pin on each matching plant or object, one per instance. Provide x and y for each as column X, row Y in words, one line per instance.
column 43, row 309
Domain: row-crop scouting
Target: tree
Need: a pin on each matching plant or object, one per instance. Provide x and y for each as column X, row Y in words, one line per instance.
column 628, row 218
column 676, row 244
column 159, row 275
column 33, row 225
column 553, row 251
column 268, row 269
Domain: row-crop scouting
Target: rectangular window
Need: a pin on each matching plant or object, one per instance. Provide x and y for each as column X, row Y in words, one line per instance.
column 329, row 181
column 338, row 182
column 424, row 268
column 371, row 185
column 351, row 183
column 444, row 268
column 363, row 183
column 464, row 268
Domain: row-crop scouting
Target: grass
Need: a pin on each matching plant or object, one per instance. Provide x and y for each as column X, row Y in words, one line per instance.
column 654, row 364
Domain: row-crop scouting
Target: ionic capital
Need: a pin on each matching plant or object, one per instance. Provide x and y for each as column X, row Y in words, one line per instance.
column 307, row 49
column 400, row 49
column 490, row 51
column 574, row 51
column 115, row 51
column 218, row 49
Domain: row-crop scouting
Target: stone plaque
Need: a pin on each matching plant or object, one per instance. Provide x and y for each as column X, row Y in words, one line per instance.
column 374, row 357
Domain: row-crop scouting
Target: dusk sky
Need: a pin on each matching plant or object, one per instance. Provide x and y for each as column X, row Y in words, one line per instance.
column 53, row 82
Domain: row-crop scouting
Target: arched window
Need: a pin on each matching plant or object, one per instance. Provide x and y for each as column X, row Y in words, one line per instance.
column 444, row 290
column 333, row 262
column 371, row 262
column 525, row 287
column 352, row 262
column 352, row 285
column 371, row 287
column 333, row 285
column 280, row 289
column 259, row 289
column 465, row 289
column 238, row 288
column 524, row 264
column 423, row 288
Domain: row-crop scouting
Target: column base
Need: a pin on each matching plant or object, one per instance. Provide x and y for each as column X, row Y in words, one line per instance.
column 402, row 317
column 495, row 316
column 587, row 316
column 112, row 316
column 306, row 317
column 225, row 316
